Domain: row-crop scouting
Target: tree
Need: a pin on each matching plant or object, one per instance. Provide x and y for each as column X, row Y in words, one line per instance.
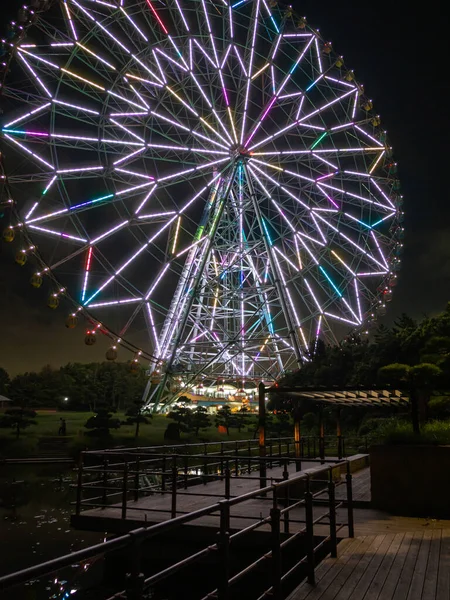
column 418, row 381
column 18, row 418
column 182, row 417
column 282, row 424
column 225, row 418
column 135, row 416
column 4, row 381
column 199, row 419
column 102, row 422
column 242, row 418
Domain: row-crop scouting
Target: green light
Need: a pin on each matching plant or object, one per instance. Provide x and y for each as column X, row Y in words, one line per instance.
column 318, row 140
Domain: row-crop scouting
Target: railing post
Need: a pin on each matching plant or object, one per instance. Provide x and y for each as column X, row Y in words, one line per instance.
column 249, row 458
column 174, row 487
column 227, row 480
column 236, row 459
column 286, row 500
column 124, row 490
column 136, row 481
column 332, row 510
column 339, row 432
column 351, row 526
column 79, row 485
column 163, row 478
column 297, row 440
column 105, row 482
column 314, row 447
column 276, row 553
column 186, row 459
column 262, row 435
column 321, row 435
column 270, row 453
column 205, row 467
column 309, row 518
column 224, row 552
column 288, row 449
column 221, row 460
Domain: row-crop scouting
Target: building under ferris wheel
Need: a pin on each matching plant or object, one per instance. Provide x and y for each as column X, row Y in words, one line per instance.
column 204, row 179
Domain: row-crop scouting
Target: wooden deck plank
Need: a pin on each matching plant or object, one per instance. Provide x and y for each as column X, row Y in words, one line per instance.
column 361, row 567
column 443, row 583
column 431, row 574
column 418, row 578
column 337, row 565
column 345, row 554
column 362, row 585
column 381, row 575
column 388, row 589
column 341, row 576
column 404, row 581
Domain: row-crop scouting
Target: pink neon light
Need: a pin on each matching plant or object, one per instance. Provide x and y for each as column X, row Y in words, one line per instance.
column 40, row 133
column 260, row 121
column 157, row 16
column 88, row 262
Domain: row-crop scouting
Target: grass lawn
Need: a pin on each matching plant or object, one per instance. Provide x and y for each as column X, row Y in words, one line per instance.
column 151, row 434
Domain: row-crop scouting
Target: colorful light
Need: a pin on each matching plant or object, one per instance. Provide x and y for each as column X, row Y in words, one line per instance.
column 176, row 125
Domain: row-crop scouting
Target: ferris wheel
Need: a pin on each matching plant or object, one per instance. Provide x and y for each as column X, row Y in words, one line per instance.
column 204, row 179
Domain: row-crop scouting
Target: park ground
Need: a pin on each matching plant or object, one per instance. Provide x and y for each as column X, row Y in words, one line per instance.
column 43, row 437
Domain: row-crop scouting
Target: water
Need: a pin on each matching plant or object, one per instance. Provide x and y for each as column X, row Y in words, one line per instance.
column 35, row 514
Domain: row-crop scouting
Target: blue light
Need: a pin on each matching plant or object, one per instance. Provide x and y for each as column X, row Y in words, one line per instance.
column 267, row 232
column 274, row 24
column 237, row 3
column 336, row 289
column 91, row 201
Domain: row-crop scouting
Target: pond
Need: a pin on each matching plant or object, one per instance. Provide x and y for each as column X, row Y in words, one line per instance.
column 35, row 514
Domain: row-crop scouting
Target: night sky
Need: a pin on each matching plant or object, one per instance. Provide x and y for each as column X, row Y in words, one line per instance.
column 401, row 57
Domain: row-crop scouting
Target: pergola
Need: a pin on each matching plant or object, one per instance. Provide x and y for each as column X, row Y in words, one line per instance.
column 326, row 397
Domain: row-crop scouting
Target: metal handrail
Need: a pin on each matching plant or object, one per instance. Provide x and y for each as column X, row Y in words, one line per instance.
column 135, row 538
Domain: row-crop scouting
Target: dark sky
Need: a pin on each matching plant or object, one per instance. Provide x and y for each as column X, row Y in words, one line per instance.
column 401, row 56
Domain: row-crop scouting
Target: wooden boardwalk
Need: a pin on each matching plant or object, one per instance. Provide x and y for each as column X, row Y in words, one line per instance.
column 155, row 508
column 411, row 565
column 391, row 558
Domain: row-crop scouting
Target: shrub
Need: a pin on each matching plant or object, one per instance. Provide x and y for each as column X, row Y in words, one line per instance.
column 434, row 433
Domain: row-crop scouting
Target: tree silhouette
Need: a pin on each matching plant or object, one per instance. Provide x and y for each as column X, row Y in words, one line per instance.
column 199, row 419
column 225, row 418
column 102, row 422
column 18, row 418
column 135, row 416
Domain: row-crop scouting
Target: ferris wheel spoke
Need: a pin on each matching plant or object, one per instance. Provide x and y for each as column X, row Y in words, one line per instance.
column 60, row 234
column 36, row 156
column 249, row 69
column 36, row 77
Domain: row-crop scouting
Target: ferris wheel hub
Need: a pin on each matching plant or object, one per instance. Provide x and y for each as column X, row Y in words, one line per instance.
column 240, row 153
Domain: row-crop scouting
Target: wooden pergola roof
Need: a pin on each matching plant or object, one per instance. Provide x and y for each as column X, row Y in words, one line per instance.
column 372, row 398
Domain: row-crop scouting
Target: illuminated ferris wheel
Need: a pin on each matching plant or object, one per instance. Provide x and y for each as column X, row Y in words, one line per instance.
column 203, row 178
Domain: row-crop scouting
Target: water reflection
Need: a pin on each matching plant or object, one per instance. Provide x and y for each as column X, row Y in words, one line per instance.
column 35, row 526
